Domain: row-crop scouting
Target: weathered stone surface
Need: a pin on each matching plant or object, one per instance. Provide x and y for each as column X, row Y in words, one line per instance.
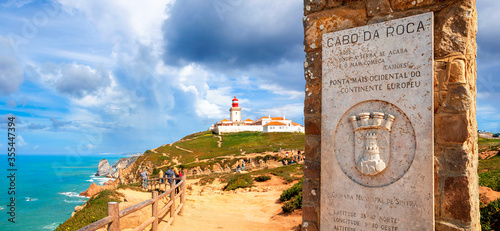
column 445, row 226
column 312, row 124
column 456, row 199
column 311, row 193
column 451, row 128
column 330, row 20
column 311, row 6
column 312, row 169
column 371, row 128
column 378, row 7
column 458, row 98
column 409, row 4
column 457, row 71
column 457, row 160
column 455, row 26
column 313, row 148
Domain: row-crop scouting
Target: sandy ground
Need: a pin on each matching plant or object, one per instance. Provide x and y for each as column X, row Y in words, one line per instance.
column 209, row 208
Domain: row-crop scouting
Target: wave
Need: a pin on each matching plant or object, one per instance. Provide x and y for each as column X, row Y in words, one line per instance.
column 52, row 226
column 90, row 180
column 100, row 180
column 30, row 199
column 71, row 194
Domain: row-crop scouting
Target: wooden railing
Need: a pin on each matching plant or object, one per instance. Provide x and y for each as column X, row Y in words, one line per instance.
column 114, row 214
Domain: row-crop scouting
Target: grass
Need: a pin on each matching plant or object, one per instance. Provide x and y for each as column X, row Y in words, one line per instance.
column 289, row 173
column 239, row 181
column 488, row 144
column 204, row 145
column 490, row 216
column 96, row 209
column 134, row 186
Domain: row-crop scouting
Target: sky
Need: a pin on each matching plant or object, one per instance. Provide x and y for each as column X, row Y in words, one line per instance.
column 115, row 76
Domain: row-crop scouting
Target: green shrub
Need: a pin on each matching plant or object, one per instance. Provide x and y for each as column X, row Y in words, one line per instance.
column 239, row 181
column 96, row 209
column 292, row 198
column 291, row 192
column 294, row 203
column 490, row 179
column 262, row 178
column 490, row 215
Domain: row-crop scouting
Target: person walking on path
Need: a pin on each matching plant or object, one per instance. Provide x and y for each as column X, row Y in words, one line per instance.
column 169, row 174
column 160, row 175
column 177, row 175
column 144, row 176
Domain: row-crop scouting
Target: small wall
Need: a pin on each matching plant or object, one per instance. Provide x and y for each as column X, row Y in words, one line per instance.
column 230, row 129
column 455, row 126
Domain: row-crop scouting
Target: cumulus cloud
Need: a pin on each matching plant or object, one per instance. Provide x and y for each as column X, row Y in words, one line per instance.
column 57, row 124
column 75, row 79
column 250, row 32
column 11, row 75
column 20, row 141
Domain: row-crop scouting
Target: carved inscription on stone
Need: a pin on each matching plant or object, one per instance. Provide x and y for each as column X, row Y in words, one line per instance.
column 377, row 127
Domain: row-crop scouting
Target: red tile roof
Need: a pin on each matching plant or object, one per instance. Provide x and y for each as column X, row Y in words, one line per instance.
column 275, row 124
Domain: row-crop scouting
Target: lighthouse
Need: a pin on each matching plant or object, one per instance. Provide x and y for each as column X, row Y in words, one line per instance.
column 235, row 111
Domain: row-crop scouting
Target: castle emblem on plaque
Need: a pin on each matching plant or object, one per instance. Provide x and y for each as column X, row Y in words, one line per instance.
column 372, row 141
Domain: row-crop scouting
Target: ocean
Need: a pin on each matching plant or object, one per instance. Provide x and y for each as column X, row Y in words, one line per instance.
column 47, row 188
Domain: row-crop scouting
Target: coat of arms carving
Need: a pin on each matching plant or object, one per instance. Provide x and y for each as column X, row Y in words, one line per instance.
column 372, row 141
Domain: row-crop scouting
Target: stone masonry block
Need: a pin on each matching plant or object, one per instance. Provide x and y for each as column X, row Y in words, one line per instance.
column 457, row 160
column 311, row 192
column 378, row 7
column 410, row 4
column 312, row 67
column 313, row 148
column 309, row 226
column 457, row 71
column 311, row 213
column 312, row 170
column 312, row 124
column 457, row 199
column 458, row 98
column 454, row 27
column 311, row 6
column 445, row 226
column 450, row 128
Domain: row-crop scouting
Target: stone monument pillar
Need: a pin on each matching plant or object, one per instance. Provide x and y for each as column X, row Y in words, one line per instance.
column 373, row 152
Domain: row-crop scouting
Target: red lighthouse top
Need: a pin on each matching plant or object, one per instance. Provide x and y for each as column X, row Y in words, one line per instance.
column 235, row 102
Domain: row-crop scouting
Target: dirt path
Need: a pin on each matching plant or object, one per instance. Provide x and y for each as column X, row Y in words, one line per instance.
column 209, row 208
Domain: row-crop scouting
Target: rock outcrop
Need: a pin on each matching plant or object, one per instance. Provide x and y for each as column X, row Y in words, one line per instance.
column 488, row 195
column 104, row 168
column 94, row 189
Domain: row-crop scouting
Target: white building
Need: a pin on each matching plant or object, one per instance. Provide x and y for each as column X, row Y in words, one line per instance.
column 264, row 124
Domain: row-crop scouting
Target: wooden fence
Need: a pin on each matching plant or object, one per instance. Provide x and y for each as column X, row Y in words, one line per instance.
column 114, row 214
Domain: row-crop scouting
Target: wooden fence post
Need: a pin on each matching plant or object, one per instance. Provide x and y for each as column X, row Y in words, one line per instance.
column 183, row 194
column 155, row 211
column 172, row 197
column 114, row 211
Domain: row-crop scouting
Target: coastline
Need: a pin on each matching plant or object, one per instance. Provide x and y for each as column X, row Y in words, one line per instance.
column 48, row 188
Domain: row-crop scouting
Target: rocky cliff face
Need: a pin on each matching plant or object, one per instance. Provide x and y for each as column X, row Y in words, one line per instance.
column 124, row 162
column 104, row 168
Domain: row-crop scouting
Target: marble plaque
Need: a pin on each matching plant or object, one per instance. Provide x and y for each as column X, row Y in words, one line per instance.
column 377, row 169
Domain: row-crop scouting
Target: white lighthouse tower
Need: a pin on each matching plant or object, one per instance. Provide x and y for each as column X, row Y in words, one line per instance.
column 235, row 111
